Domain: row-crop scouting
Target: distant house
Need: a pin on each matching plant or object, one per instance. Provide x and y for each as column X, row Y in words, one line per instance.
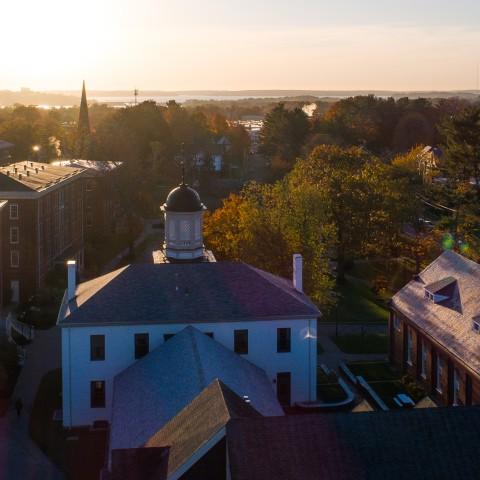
column 429, row 163
column 5, row 152
column 213, row 157
column 435, row 329
column 42, row 224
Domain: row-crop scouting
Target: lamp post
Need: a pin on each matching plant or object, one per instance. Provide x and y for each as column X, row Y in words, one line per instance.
column 35, row 149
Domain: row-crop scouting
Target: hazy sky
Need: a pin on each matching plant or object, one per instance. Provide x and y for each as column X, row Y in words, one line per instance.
column 243, row 44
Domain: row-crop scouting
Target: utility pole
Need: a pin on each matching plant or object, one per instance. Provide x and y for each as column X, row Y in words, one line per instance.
column 135, row 93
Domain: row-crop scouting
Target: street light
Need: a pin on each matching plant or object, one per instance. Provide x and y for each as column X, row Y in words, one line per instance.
column 35, row 149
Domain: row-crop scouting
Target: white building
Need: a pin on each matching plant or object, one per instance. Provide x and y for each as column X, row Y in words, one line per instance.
column 112, row 321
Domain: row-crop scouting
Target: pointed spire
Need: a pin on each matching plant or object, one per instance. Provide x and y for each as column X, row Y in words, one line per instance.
column 83, row 118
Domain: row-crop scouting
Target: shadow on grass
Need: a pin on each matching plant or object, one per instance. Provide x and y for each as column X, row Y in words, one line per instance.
column 362, row 344
column 78, row 452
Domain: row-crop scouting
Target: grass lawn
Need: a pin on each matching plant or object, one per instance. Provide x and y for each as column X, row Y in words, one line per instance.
column 328, row 389
column 362, row 343
column 358, row 302
column 9, row 371
column 79, row 453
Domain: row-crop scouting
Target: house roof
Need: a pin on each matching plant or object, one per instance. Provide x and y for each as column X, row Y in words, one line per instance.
column 185, row 293
column 439, row 443
column 448, row 322
column 95, row 167
column 33, row 176
column 199, row 422
column 152, row 391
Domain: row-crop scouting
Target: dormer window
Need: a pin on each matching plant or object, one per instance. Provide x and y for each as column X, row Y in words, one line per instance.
column 441, row 290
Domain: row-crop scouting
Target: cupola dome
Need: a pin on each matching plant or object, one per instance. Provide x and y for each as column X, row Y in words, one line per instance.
column 183, row 199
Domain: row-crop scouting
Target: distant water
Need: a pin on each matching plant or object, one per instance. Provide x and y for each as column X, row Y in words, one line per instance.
column 177, row 98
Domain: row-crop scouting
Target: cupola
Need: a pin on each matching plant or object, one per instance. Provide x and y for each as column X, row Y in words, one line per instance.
column 183, row 212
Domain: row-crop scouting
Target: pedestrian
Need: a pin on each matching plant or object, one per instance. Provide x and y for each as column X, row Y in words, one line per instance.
column 18, row 406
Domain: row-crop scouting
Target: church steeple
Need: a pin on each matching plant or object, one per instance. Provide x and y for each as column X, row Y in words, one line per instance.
column 83, row 118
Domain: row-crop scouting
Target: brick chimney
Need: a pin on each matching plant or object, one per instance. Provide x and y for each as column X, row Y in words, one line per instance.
column 298, row 272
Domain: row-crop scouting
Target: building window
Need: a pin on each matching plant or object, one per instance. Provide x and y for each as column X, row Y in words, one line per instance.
column 283, row 340
column 90, row 185
column 13, row 211
column 409, row 346
column 209, row 334
column 141, row 345
column 438, row 374
column 240, row 340
column 423, row 369
column 171, row 230
column 456, row 387
column 184, row 230
column 14, row 235
column 396, row 322
column 97, row 394
column 167, row 336
column 14, row 258
column 97, row 347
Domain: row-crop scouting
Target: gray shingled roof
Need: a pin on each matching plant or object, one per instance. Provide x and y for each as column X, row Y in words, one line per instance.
column 449, row 322
column 152, row 391
column 187, row 293
column 198, row 423
column 428, row 444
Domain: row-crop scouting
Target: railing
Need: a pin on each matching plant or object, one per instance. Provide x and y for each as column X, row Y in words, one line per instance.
column 11, row 323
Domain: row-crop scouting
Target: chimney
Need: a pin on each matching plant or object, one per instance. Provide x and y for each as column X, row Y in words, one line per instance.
column 72, row 280
column 297, row 272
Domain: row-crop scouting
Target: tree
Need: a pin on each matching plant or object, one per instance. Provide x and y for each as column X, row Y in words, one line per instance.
column 284, row 133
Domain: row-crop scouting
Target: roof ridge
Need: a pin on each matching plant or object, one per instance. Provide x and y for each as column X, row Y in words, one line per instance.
column 296, row 294
column 198, row 358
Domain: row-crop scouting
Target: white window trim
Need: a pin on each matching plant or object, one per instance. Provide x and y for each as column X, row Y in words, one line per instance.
column 18, row 235
column 12, row 217
column 423, row 360
column 409, row 347
column 12, row 263
column 438, row 375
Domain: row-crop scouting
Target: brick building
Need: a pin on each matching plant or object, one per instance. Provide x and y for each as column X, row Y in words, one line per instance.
column 102, row 213
column 42, row 224
column 435, row 329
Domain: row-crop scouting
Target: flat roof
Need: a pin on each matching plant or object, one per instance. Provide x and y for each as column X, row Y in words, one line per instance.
column 34, row 176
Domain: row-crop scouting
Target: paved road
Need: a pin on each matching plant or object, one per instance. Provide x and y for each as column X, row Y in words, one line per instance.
column 20, row 458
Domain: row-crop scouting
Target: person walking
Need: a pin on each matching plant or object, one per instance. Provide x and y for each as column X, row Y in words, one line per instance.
column 18, row 406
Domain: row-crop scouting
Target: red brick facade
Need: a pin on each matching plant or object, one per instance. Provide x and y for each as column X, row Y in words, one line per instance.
column 36, row 233
column 448, row 380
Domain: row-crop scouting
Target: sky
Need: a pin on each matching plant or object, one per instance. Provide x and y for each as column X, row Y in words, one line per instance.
column 237, row 45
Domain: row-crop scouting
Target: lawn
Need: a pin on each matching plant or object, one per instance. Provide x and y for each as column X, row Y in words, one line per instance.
column 361, row 300
column 357, row 303
column 362, row 344
column 68, row 449
column 9, row 371
column 328, row 389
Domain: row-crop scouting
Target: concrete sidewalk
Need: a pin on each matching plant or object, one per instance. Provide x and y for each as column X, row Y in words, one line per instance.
column 20, row 458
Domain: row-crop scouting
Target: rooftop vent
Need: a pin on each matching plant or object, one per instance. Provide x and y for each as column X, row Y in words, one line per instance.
column 28, row 173
column 36, row 170
column 25, row 167
column 19, row 176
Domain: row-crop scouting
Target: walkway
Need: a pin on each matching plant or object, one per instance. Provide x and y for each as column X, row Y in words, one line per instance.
column 20, row 458
column 332, row 356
